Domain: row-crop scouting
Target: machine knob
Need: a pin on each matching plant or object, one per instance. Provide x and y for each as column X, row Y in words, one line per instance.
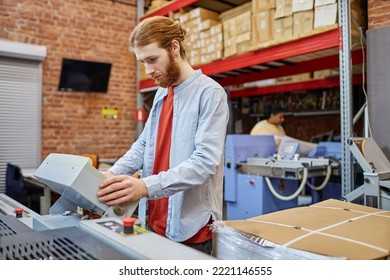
column 19, row 212
column 128, row 225
column 252, row 182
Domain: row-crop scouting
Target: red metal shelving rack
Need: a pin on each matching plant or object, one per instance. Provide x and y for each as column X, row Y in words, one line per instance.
column 255, row 65
column 331, row 82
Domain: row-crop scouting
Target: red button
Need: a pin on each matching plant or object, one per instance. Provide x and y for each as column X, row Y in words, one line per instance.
column 128, row 225
column 19, row 212
column 128, row 222
column 251, row 182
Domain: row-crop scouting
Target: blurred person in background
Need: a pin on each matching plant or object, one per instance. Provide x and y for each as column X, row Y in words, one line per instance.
column 272, row 124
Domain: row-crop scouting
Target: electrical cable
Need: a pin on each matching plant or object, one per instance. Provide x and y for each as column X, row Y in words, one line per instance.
column 362, row 39
column 294, row 195
column 326, row 180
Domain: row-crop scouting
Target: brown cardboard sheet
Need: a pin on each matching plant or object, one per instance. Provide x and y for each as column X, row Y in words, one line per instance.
column 332, row 228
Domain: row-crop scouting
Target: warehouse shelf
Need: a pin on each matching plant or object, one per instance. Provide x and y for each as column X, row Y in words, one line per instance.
column 295, row 57
column 313, row 53
column 304, row 114
column 327, row 83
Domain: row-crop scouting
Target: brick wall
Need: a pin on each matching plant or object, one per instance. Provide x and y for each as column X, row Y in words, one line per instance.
column 378, row 13
column 95, row 30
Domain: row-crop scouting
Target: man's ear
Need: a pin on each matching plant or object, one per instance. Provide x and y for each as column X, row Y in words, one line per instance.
column 175, row 48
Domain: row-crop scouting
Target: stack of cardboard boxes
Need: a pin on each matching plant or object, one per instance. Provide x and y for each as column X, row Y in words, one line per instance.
column 303, row 17
column 325, row 13
column 283, row 24
column 237, row 30
column 204, row 35
column 263, row 12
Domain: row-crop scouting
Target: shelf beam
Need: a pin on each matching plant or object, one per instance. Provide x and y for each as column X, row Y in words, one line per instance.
column 328, row 62
column 332, row 82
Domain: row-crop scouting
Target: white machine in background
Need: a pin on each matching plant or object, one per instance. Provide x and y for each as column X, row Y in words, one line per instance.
column 67, row 234
column 375, row 191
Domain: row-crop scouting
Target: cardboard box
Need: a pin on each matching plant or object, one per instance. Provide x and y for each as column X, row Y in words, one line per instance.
column 323, row 74
column 243, row 22
column 283, row 29
column 207, row 24
column 230, row 50
column 303, row 23
column 325, row 15
column 235, row 23
column 231, row 13
column 331, row 229
column 216, row 55
column 216, row 29
column 302, row 5
column 262, row 5
column 203, row 14
column 246, row 36
column 263, row 26
column 229, row 28
column 283, row 8
column 324, row 2
column 243, row 47
column 184, row 18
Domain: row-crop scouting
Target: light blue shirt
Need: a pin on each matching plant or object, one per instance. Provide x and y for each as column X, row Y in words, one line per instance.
column 194, row 182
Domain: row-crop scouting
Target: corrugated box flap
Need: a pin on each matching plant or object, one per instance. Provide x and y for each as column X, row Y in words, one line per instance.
column 333, row 228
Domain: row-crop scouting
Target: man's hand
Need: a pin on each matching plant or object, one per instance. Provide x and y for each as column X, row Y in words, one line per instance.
column 121, row 188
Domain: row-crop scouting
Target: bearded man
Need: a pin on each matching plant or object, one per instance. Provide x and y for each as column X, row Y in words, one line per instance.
column 181, row 147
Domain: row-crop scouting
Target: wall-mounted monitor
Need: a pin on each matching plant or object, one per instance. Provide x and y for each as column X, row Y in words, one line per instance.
column 86, row 76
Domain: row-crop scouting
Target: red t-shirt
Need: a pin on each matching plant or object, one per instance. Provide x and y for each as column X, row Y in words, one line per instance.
column 158, row 209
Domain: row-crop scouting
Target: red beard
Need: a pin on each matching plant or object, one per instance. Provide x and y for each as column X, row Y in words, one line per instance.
column 171, row 74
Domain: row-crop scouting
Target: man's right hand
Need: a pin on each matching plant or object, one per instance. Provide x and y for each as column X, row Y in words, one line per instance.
column 121, row 188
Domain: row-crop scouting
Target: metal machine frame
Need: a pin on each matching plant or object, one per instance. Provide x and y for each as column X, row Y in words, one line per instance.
column 375, row 191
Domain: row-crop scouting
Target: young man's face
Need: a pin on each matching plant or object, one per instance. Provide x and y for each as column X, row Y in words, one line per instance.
column 159, row 64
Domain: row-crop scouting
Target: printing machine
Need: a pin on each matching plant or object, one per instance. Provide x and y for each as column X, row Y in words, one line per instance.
column 65, row 233
column 260, row 180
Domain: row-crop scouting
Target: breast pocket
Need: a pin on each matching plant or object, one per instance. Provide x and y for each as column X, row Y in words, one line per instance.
column 187, row 127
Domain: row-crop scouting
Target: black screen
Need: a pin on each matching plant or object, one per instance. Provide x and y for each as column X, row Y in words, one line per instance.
column 78, row 75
